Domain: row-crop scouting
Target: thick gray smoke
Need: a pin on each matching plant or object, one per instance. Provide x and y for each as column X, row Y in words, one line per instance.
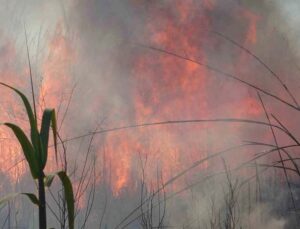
column 94, row 61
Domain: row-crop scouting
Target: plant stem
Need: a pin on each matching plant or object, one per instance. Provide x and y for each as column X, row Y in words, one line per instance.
column 42, row 205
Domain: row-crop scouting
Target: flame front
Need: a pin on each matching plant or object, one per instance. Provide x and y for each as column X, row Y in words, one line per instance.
column 163, row 88
column 167, row 88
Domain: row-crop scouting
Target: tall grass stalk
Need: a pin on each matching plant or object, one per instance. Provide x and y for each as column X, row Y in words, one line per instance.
column 36, row 153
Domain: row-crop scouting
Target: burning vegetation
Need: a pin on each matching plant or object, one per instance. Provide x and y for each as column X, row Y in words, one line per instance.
column 171, row 113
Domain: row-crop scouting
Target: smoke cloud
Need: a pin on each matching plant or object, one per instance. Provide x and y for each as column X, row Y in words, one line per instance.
column 100, row 64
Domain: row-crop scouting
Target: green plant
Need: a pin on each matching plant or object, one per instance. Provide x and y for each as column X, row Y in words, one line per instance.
column 36, row 154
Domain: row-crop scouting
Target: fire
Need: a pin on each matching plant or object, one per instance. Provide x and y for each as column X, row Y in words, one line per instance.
column 56, row 69
column 165, row 88
column 56, row 77
column 11, row 156
column 171, row 89
column 118, row 151
column 251, row 36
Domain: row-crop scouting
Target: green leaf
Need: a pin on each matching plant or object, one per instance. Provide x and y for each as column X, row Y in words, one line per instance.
column 32, row 120
column 32, row 197
column 48, row 119
column 27, row 148
column 69, row 195
column 48, row 180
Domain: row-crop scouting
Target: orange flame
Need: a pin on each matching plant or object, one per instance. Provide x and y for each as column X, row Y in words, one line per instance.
column 166, row 89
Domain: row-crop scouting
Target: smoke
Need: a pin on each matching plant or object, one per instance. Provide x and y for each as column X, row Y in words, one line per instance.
column 268, row 222
column 93, row 60
column 289, row 19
